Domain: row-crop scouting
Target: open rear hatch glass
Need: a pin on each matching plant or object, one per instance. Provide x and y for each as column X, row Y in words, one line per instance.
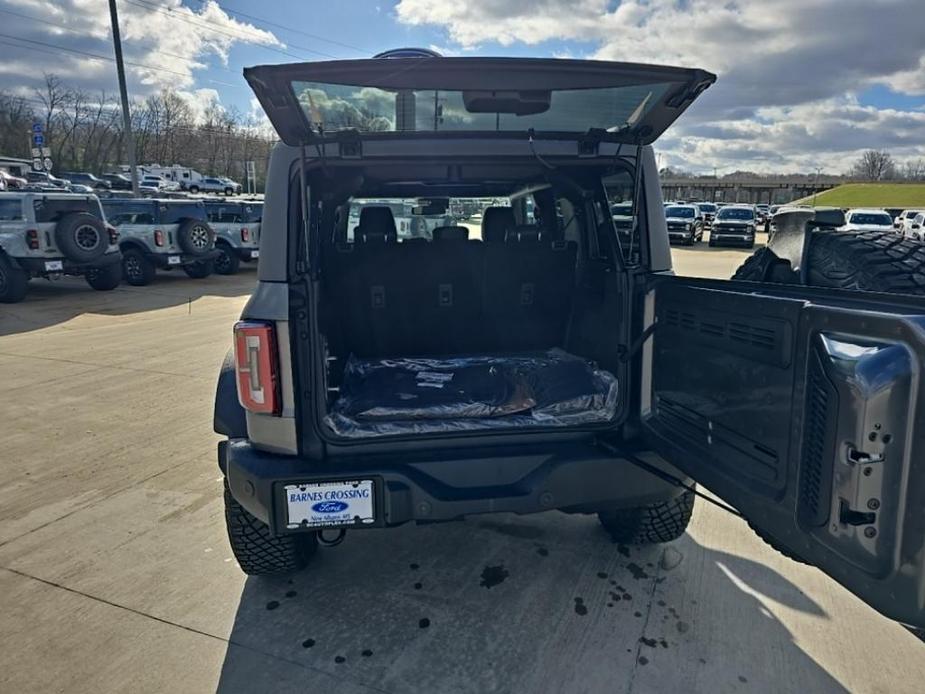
column 550, row 98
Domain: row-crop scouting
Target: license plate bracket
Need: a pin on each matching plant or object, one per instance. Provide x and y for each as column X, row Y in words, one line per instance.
column 330, row 504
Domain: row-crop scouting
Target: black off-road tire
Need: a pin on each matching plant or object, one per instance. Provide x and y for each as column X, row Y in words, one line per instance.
column 199, row 270
column 259, row 553
column 877, row 261
column 229, row 191
column 14, row 282
column 137, row 269
column 104, row 279
column 194, row 189
column 81, row 237
column 228, row 262
column 195, row 237
column 661, row 522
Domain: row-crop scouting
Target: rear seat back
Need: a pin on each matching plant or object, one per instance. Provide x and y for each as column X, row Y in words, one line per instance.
column 528, row 288
column 450, row 295
column 495, row 223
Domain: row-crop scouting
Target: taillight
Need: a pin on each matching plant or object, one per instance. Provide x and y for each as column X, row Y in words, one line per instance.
column 113, row 235
column 257, row 367
column 245, row 234
column 158, row 237
column 32, row 239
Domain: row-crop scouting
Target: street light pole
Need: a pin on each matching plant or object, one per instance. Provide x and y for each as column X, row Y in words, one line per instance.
column 123, row 92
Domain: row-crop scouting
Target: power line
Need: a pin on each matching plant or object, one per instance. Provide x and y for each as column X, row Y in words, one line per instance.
column 84, row 35
column 267, row 22
column 96, row 56
column 189, row 19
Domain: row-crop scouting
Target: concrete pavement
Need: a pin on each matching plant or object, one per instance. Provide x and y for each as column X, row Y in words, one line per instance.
column 115, row 574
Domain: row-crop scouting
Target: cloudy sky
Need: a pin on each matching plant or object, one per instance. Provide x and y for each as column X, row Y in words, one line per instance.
column 802, row 83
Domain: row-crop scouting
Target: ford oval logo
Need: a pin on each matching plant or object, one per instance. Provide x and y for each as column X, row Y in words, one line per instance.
column 329, row 507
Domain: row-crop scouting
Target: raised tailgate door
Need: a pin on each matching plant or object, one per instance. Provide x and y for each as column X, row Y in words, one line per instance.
column 804, row 409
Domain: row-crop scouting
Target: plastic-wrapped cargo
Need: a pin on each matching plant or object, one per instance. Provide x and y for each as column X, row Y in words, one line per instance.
column 414, row 395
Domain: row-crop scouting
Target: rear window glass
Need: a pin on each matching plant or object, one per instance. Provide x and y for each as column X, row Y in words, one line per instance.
column 10, row 210
column 708, row 207
column 871, row 218
column 683, row 212
column 51, row 210
column 835, row 217
column 738, row 213
column 333, row 107
column 622, row 210
column 252, row 213
column 174, row 213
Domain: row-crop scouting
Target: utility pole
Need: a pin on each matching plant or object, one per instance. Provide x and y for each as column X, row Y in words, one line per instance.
column 816, row 184
column 123, row 92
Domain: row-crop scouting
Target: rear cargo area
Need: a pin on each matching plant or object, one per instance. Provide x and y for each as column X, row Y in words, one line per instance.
column 447, row 333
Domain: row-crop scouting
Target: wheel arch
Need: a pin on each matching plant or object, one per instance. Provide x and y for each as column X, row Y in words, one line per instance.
column 228, row 416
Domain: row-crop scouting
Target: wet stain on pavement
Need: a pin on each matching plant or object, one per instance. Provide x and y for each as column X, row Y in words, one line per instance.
column 637, row 571
column 291, row 593
column 272, row 605
column 742, row 679
column 637, row 614
column 367, row 653
column 601, row 574
column 414, row 567
column 542, row 551
column 423, row 623
column 580, row 608
column 339, row 659
column 493, row 575
column 624, row 550
column 643, row 660
column 418, row 586
column 651, row 643
column 308, row 643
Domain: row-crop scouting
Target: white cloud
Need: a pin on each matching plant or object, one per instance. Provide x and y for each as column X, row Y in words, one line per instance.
column 788, row 69
column 166, row 45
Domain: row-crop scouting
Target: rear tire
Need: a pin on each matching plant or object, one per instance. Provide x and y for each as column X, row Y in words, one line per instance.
column 104, row 279
column 137, row 270
column 194, row 189
column 198, row 270
column 228, row 262
column 661, row 522
column 14, row 282
column 257, row 551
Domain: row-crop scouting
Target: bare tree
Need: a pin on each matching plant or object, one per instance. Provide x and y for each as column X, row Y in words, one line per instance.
column 874, row 165
column 914, row 170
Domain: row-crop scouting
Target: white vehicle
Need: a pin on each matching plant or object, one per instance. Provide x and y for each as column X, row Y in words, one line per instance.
column 53, row 234
column 159, row 182
column 183, row 176
column 867, row 219
column 915, row 229
column 906, row 219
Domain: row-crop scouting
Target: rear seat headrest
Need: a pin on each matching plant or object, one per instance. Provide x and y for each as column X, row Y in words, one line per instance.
column 451, row 233
column 495, row 223
column 377, row 225
column 523, row 233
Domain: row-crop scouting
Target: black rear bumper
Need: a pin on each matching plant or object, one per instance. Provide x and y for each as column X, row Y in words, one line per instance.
column 36, row 266
column 576, row 477
column 160, row 259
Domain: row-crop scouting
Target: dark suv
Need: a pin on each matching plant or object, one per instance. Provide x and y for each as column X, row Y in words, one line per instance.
column 87, row 179
column 526, row 366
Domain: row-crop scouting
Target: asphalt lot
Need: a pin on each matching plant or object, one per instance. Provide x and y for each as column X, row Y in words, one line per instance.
column 115, row 574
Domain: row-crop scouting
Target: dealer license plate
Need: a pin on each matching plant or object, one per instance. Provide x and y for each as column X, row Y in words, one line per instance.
column 255, row 254
column 173, row 260
column 322, row 504
column 54, row 265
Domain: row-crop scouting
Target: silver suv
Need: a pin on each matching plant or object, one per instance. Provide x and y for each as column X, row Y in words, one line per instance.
column 529, row 365
column 162, row 234
column 54, row 234
column 237, row 232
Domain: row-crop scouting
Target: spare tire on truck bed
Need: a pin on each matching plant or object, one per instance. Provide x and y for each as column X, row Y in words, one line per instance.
column 81, row 237
column 874, row 261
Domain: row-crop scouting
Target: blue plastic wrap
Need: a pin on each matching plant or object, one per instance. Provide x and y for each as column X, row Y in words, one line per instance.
column 385, row 397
